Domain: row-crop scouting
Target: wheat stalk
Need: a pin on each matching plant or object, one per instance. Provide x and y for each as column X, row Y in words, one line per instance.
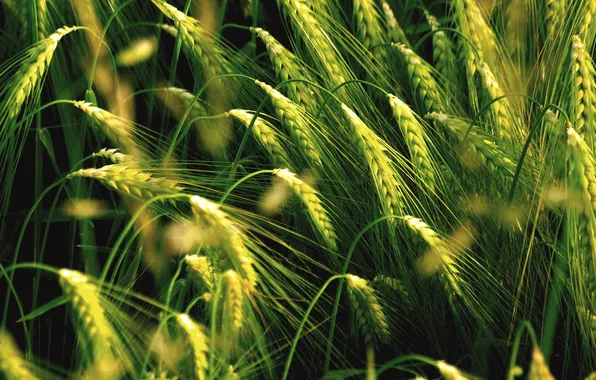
column 314, row 206
column 555, row 13
column 584, row 87
column 472, row 24
column 315, row 36
column 415, row 140
column 486, row 150
column 84, row 297
column 393, row 285
column 299, row 126
column 233, row 301
column 583, row 171
column 500, row 110
column 178, row 100
column 582, row 174
column 12, row 364
column 117, row 129
column 42, row 17
column 286, row 67
column 130, row 180
column 368, row 312
column 201, row 270
column 202, row 273
column 198, row 345
column 368, row 27
column 265, row 134
column 439, row 255
column 209, row 216
column 195, row 40
column 371, row 147
column 586, row 26
column 396, row 33
column 32, row 70
column 444, row 56
column 421, row 80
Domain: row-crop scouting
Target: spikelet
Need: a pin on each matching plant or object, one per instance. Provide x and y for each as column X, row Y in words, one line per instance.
column 12, row 364
column 178, row 100
column 195, row 40
column 115, row 156
column 130, row 180
column 234, row 301
column 368, row 26
column 292, row 116
column 439, row 257
column 583, row 172
column 486, row 150
column 444, row 56
column 84, row 297
column 393, row 285
column 449, row 372
column 314, row 207
column 516, row 15
column 368, row 313
column 209, row 216
column 231, row 374
column 117, row 129
column 169, row 29
column 584, row 92
column 202, row 272
column 586, row 26
column 472, row 24
column 501, row 110
column 41, row 6
column 414, row 136
column 538, row 368
column 582, row 175
column 319, row 42
column 286, row 66
column 396, row 33
column 422, row 82
column 265, row 134
column 31, row 72
column 371, row 147
column 555, row 13
column 197, row 342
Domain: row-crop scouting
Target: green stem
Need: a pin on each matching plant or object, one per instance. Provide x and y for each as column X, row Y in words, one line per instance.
column 370, row 362
column 130, row 225
column 303, row 322
column 525, row 325
column 344, row 270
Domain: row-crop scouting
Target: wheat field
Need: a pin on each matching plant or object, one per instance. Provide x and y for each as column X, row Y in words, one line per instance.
column 297, row 189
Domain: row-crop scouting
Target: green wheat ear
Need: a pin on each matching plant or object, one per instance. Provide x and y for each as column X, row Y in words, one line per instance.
column 314, row 206
column 444, row 56
column 368, row 312
column 371, row 148
column 12, row 364
column 197, row 340
column 266, row 134
column 414, row 135
column 31, row 72
column 130, row 180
